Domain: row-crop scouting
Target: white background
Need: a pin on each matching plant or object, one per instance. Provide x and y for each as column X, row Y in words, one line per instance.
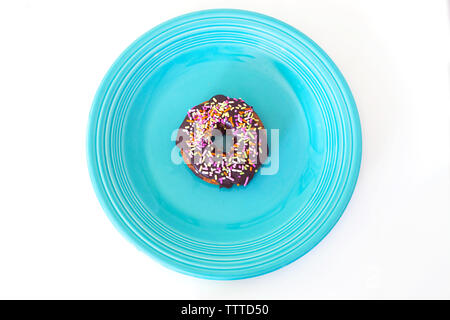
column 393, row 241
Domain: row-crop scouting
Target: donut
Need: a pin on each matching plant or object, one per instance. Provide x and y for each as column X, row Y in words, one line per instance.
column 223, row 141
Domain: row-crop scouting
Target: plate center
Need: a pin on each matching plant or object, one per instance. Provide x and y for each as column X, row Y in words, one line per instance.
column 166, row 187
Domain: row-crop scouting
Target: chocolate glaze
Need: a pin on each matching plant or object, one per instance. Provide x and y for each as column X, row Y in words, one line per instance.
column 229, row 116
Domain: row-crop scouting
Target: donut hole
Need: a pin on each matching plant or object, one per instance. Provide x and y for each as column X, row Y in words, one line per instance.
column 222, row 139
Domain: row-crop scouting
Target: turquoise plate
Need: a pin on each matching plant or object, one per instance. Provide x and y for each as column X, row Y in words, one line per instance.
column 190, row 225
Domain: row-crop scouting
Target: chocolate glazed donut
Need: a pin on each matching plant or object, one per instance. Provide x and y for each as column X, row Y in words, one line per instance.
column 201, row 135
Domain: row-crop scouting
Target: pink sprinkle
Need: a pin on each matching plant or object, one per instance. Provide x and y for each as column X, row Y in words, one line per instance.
column 246, row 181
